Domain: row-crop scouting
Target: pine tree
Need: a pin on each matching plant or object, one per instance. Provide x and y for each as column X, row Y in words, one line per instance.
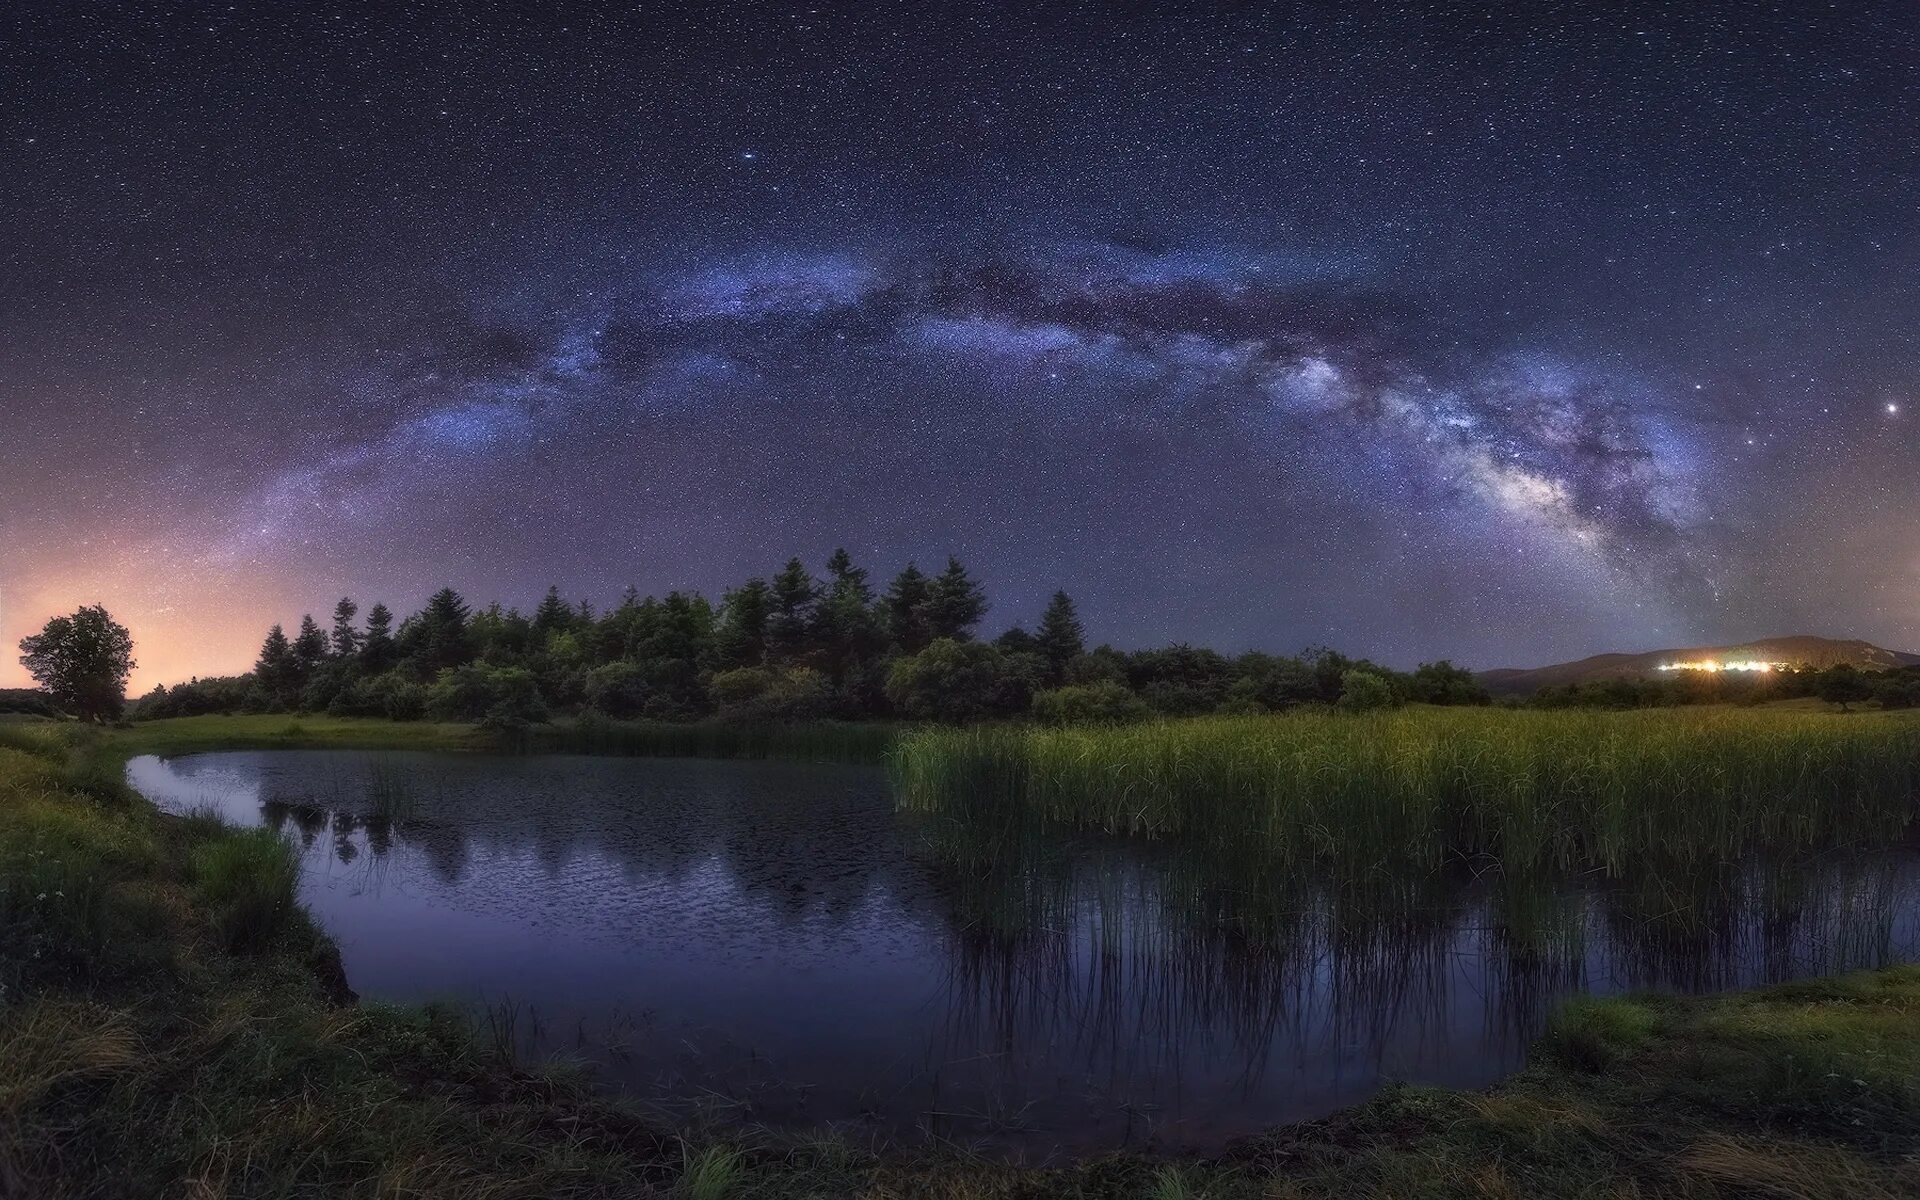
column 1061, row 638
column 277, row 672
column 845, row 627
column 741, row 640
column 553, row 616
column 905, row 607
column 346, row 639
column 794, row 595
column 377, row 651
column 310, row 646
column 955, row 603
column 443, row 631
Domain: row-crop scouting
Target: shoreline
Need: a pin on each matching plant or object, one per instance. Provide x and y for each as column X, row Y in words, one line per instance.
column 1657, row 1115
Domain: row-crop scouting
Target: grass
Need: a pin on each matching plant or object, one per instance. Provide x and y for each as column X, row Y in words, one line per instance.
column 146, row 1050
column 837, row 741
column 1410, row 791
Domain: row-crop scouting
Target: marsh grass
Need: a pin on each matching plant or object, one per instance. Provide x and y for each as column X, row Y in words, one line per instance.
column 1413, row 790
column 245, row 880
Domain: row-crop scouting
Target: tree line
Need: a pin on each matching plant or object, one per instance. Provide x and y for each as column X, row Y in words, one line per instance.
column 790, row 647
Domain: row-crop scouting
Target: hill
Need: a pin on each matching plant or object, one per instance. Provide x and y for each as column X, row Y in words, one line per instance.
column 1798, row 650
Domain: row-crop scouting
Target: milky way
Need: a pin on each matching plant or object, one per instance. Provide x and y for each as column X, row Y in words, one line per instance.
column 1500, row 336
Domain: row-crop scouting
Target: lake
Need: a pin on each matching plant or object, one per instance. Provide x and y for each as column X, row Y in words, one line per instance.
column 775, row 943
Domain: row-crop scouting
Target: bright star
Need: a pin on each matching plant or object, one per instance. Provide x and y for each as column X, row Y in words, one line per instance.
column 1893, row 410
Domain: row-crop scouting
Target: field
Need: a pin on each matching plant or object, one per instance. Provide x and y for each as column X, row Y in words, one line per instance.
column 165, row 1028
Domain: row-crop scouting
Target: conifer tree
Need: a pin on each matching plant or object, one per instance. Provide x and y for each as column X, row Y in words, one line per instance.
column 553, row 616
column 955, row 603
column 794, row 595
column 346, row 639
column 905, row 607
column 310, row 647
column 741, row 640
column 377, row 651
column 1061, row 638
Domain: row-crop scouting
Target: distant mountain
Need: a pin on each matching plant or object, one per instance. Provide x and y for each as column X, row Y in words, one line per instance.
column 1802, row 649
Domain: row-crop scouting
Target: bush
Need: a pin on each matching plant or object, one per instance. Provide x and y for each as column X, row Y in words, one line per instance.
column 1365, row 691
column 758, row 694
column 1104, row 703
column 961, row 681
column 618, row 689
column 516, row 700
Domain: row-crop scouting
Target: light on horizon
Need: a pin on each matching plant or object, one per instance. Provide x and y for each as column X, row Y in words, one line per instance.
column 1708, row 664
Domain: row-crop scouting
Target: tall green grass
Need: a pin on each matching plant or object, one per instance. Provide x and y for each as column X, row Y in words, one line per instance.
column 1559, row 791
column 245, row 881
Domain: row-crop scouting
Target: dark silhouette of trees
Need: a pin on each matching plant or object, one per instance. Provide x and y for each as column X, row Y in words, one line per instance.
column 906, row 610
column 790, row 620
column 82, row 662
column 1061, row 639
column 346, row 638
column 955, row 603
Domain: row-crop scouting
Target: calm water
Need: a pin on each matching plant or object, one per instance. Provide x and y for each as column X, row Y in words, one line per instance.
column 774, row 942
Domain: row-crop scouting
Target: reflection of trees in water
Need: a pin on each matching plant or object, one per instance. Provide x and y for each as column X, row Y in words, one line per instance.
column 804, row 841
column 1132, row 955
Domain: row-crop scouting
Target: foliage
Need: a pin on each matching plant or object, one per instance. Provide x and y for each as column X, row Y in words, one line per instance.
column 82, row 662
column 954, row 682
column 1364, row 691
column 1103, row 703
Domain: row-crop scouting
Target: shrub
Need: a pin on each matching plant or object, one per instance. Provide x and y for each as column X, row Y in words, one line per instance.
column 618, row 689
column 1104, row 703
column 1365, row 691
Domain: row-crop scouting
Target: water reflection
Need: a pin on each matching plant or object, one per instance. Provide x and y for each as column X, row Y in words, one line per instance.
column 775, row 942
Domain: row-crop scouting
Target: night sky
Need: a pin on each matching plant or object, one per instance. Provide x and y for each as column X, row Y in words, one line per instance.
column 1508, row 334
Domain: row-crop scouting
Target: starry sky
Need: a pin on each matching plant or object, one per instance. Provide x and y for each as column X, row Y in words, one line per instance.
column 1502, row 332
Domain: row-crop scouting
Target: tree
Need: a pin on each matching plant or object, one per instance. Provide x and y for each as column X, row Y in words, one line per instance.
column 82, row 662
column 905, row 607
column 1103, row 703
column 845, row 627
column 741, row 639
column 959, row 681
column 310, row 646
column 1363, row 691
column 955, row 603
column 276, row 673
column 553, row 616
column 346, row 639
column 442, row 634
column 1061, row 638
column 1843, row 685
column 377, row 651
column 1443, row 683
column 794, row 595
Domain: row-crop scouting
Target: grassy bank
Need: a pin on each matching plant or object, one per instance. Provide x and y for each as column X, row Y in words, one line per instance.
column 165, row 1031
column 1413, row 789
column 829, row 741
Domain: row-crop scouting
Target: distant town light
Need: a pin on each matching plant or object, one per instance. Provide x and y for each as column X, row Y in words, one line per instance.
column 1708, row 664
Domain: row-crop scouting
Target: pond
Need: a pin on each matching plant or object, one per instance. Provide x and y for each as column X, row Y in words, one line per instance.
column 775, row 943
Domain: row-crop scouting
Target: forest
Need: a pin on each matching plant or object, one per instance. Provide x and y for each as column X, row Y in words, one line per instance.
column 792, row 647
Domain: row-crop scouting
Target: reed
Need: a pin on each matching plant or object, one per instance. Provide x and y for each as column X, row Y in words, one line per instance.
column 1416, row 789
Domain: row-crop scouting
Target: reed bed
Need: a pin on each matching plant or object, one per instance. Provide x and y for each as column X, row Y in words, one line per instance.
column 1560, row 791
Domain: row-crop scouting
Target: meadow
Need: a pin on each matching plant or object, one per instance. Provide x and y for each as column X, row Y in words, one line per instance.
column 165, row 1030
